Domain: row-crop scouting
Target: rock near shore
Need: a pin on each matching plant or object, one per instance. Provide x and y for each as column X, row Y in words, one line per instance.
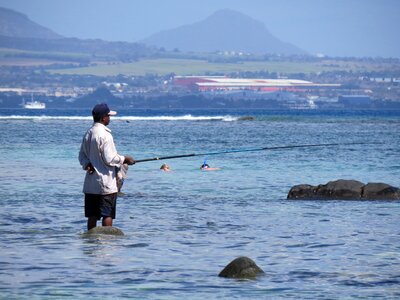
column 241, row 268
column 344, row 190
column 107, row 230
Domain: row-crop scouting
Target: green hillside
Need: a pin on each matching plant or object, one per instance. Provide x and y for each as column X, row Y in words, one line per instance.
column 199, row 67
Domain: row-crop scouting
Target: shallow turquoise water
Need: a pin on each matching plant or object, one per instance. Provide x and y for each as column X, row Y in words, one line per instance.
column 183, row 227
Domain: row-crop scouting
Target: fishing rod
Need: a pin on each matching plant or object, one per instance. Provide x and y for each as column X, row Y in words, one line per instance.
column 247, row 150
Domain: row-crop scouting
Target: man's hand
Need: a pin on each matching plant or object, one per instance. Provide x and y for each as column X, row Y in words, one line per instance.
column 129, row 160
column 89, row 168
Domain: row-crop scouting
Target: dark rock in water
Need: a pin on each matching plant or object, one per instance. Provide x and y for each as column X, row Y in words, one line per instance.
column 110, row 230
column 345, row 190
column 246, row 118
column 341, row 189
column 380, row 191
column 242, row 268
column 302, row 191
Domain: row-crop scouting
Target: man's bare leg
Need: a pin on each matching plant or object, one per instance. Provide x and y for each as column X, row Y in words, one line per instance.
column 91, row 222
column 107, row 221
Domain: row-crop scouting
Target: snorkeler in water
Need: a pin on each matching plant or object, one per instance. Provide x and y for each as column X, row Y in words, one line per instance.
column 206, row 167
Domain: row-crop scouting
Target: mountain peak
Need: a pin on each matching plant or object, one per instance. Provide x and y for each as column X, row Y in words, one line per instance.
column 224, row 30
column 230, row 14
column 232, row 19
column 227, row 12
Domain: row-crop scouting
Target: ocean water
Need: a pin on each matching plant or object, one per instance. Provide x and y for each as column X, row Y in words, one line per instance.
column 183, row 227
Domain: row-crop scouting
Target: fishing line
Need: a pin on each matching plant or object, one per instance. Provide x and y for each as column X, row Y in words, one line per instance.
column 247, row 150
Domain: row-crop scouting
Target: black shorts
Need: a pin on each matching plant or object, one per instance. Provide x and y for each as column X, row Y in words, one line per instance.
column 100, row 205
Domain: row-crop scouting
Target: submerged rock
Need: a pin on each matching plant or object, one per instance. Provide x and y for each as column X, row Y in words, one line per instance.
column 345, row 190
column 242, row 268
column 110, row 230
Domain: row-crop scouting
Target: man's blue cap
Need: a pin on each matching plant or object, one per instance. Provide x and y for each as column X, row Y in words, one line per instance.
column 101, row 110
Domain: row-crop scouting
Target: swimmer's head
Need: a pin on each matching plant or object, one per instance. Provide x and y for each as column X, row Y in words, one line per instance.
column 164, row 167
column 204, row 166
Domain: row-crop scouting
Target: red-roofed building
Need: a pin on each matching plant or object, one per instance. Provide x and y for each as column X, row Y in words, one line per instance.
column 221, row 83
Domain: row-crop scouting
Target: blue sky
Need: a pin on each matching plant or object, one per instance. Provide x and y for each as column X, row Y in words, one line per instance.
column 332, row 27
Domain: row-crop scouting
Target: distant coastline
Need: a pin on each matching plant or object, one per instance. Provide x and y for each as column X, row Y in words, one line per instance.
column 197, row 101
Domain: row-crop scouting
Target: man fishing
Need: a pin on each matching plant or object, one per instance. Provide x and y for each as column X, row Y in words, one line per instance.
column 99, row 158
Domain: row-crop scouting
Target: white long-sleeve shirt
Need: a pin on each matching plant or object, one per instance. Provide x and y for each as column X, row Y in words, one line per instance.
column 98, row 149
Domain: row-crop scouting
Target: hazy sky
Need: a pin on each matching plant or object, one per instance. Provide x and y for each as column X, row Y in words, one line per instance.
column 333, row 27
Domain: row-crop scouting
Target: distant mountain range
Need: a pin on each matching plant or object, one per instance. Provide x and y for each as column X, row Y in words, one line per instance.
column 17, row 31
column 15, row 24
column 225, row 30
